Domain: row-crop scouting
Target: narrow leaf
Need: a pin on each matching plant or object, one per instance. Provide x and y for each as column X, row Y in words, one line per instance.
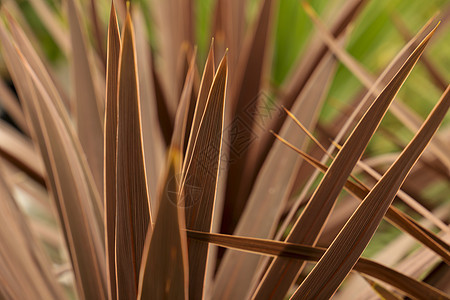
column 205, row 86
column 52, row 23
column 181, row 117
column 25, row 270
column 164, row 270
column 133, row 212
column 308, row 227
column 246, row 84
column 73, row 196
column 316, row 52
column 407, row 116
column 292, row 251
column 50, row 87
column 393, row 215
column 110, row 150
column 345, row 250
column 88, row 109
column 236, row 275
column 200, row 180
column 152, row 138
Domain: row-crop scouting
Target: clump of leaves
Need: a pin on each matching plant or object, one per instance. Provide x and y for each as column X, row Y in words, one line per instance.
column 131, row 181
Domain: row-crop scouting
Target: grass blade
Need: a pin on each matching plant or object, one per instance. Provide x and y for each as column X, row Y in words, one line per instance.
column 345, row 250
column 133, row 211
column 110, row 150
column 200, row 180
column 164, row 269
column 307, row 228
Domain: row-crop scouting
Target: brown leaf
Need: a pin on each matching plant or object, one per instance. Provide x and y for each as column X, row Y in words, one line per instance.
column 133, row 212
column 181, row 117
column 152, row 138
column 393, row 215
column 75, row 200
column 110, row 150
column 404, row 283
column 205, row 86
column 236, row 274
column 19, row 150
column 88, row 109
column 40, row 69
column 247, row 82
column 406, row 115
column 164, row 268
column 345, row 250
column 200, row 180
column 26, row 271
column 310, row 223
